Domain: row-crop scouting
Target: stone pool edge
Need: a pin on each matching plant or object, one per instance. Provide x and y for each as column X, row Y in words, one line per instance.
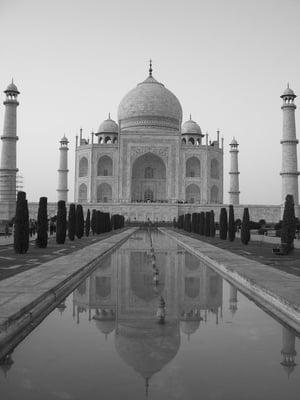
column 15, row 327
column 264, row 296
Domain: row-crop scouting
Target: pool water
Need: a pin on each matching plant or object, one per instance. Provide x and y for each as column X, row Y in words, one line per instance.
column 105, row 342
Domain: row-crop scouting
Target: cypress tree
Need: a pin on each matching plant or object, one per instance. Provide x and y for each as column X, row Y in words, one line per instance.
column 231, row 224
column 72, row 222
column 245, row 230
column 207, row 223
column 93, row 222
column 107, row 224
column 202, row 223
column 21, row 222
column 79, row 221
column 61, row 223
column 187, row 223
column 194, row 222
column 88, row 223
column 98, row 222
column 42, row 224
column 288, row 229
column 223, row 224
column 212, row 224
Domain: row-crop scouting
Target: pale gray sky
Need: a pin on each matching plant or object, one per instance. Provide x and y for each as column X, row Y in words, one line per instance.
column 226, row 61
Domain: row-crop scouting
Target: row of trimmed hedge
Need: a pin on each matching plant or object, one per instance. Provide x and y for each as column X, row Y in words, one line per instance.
column 73, row 225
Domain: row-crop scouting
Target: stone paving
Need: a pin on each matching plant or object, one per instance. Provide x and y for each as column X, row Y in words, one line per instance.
column 276, row 290
column 22, row 293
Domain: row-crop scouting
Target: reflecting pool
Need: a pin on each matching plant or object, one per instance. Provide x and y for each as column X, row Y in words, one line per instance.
column 105, row 340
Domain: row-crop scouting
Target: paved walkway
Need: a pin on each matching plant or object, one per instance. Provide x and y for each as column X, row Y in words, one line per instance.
column 30, row 295
column 278, row 291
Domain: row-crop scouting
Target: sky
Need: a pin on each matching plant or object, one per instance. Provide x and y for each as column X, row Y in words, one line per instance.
column 228, row 62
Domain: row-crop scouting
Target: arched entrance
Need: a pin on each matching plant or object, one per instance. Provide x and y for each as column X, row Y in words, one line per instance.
column 148, row 182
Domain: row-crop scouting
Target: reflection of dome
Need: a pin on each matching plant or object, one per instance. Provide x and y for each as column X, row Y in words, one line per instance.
column 147, row 346
column 150, row 105
column 189, row 327
column 191, row 127
column 105, row 326
column 108, row 126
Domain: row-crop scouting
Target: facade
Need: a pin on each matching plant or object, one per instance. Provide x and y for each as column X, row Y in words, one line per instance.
column 149, row 157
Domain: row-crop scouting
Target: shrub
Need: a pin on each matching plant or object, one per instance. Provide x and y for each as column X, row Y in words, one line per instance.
column 21, row 231
column 61, row 224
column 231, row 224
column 79, row 221
column 42, row 224
column 207, row 223
column 88, row 223
column 223, row 224
column 98, row 222
column 107, row 224
column 180, row 221
column 212, row 224
column 93, row 221
column 288, row 229
column 202, row 223
column 72, row 222
column 245, row 230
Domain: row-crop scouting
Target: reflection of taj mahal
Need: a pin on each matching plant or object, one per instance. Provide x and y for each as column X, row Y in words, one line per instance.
column 149, row 157
column 120, row 297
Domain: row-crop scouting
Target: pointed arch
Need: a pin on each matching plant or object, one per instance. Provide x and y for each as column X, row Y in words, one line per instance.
column 214, row 168
column 83, row 167
column 192, row 167
column 82, row 193
column 105, row 166
column 214, row 194
column 192, row 193
column 104, row 193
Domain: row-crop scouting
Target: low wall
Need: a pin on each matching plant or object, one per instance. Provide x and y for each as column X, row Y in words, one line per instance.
column 168, row 211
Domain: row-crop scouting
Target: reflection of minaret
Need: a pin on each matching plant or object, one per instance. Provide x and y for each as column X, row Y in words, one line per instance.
column 288, row 351
column 6, row 364
column 233, row 299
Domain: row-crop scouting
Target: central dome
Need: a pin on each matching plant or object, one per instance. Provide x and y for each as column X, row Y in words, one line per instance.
column 150, row 105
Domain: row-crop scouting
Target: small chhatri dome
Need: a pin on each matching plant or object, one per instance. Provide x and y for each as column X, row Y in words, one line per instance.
column 64, row 139
column 12, row 88
column 108, row 126
column 150, row 105
column 288, row 92
column 191, row 127
column 234, row 142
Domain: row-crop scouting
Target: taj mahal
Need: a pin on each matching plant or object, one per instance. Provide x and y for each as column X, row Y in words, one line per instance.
column 149, row 155
column 148, row 164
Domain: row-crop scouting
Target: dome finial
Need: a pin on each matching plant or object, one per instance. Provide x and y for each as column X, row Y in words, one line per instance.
column 190, row 116
column 109, row 115
column 150, row 67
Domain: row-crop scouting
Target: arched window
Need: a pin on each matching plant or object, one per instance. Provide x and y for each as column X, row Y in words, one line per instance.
column 82, row 193
column 83, row 167
column 192, row 193
column 191, row 141
column 192, row 167
column 214, row 169
column 214, row 194
column 183, row 141
column 108, row 140
column 149, row 173
column 105, row 166
column 148, row 195
column 104, row 193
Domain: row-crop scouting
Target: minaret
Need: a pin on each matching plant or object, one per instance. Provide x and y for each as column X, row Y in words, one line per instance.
column 289, row 143
column 62, row 190
column 288, row 351
column 8, row 166
column 234, row 192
